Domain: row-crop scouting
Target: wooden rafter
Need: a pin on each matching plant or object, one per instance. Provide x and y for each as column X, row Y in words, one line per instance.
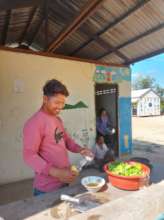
column 32, row 14
column 18, row 50
column 86, row 12
column 132, row 40
column 36, row 31
column 6, row 27
column 105, row 45
column 149, row 55
column 109, row 26
column 46, row 28
column 108, row 45
column 14, row 4
column 41, row 20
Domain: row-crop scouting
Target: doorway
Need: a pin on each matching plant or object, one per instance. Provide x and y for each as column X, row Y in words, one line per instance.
column 106, row 96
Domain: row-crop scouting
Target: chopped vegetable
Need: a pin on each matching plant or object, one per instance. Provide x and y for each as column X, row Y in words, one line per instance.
column 126, row 169
column 74, row 169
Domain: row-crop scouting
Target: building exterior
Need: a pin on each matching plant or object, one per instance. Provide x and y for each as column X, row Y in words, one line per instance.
column 145, row 102
column 21, row 80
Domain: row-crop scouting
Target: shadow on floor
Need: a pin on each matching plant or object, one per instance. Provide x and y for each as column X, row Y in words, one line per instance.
column 155, row 153
column 15, row 191
column 146, row 146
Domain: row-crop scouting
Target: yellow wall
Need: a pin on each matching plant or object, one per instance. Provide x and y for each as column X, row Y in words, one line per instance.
column 18, row 102
column 22, row 77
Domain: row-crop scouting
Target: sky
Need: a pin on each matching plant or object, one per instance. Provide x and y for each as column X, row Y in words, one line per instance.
column 153, row 67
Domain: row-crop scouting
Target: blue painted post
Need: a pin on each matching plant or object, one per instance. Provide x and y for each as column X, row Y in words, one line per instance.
column 125, row 130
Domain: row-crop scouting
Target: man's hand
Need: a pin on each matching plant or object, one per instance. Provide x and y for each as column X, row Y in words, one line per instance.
column 64, row 175
column 86, row 152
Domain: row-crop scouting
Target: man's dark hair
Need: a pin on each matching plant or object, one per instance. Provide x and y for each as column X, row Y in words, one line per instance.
column 98, row 137
column 54, row 87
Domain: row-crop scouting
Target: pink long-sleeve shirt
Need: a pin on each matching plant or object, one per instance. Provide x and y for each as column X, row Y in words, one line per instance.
column 46, row 144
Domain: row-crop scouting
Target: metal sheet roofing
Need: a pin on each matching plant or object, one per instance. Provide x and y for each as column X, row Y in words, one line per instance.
column 139, row 93
column 112, row 31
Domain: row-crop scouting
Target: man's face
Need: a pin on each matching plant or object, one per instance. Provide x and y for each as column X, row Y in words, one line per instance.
column 54, row 104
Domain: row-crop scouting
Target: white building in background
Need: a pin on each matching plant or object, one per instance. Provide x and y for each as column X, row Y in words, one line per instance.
column 145, row 102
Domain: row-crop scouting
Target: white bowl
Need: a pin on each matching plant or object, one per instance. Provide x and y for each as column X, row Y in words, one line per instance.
column 95, row 180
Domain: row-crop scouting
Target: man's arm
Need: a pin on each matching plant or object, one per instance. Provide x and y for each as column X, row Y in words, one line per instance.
column 71, row 144
column 75, row 148
column 98, row 126
column 94, row 151
column 110, row 124
column 31, row 142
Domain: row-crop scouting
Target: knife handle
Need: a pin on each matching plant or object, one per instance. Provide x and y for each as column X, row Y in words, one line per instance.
column 67, row 198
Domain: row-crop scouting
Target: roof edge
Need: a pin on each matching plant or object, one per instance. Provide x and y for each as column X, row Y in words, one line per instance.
column 48, row 54
column 149, row 89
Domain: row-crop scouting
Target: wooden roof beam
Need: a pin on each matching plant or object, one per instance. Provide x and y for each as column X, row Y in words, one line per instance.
column 46, row 25
column 111, row 25
column 18, row 50
column 42, row 19
column 6, row 27
column 86, row 12
column 108, row 45
column 32, row 14
column 14, row 4
column 105, row 45
column 149, row 55
column 133, row 40
column 36, row 30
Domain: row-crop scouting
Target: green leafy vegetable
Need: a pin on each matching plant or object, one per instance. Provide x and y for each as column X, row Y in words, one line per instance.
column 126, row 169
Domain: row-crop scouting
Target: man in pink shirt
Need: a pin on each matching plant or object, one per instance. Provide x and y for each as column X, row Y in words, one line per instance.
column 46, row 143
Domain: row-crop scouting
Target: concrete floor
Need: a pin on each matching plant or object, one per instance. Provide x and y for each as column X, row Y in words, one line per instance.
column 147, row 142
column 15, row 191
column 148, row 129
column 23, row 189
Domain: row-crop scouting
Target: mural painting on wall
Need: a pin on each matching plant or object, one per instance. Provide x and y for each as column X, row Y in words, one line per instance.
column 81, row 134
column 76, row 106
column 111, row 74
column 85, row 137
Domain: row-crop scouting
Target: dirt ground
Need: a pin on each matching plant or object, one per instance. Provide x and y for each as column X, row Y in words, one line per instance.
column 150, row 129
column 148, row 138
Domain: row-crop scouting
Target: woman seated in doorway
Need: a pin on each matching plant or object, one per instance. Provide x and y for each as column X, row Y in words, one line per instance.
column 102, row 153
column 104, row 127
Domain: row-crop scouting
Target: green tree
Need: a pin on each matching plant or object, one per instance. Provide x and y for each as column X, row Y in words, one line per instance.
column 143, row 82
column 162, row 106
column 159, row 90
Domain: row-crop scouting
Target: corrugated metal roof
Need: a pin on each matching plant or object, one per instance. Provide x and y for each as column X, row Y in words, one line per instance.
column 139, row 93
column 117, row 31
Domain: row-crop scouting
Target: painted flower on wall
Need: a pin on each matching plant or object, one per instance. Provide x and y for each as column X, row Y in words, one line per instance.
column 112, row 74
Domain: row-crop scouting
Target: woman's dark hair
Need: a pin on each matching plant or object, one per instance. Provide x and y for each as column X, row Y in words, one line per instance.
column 53, row 87
column 102, row 110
